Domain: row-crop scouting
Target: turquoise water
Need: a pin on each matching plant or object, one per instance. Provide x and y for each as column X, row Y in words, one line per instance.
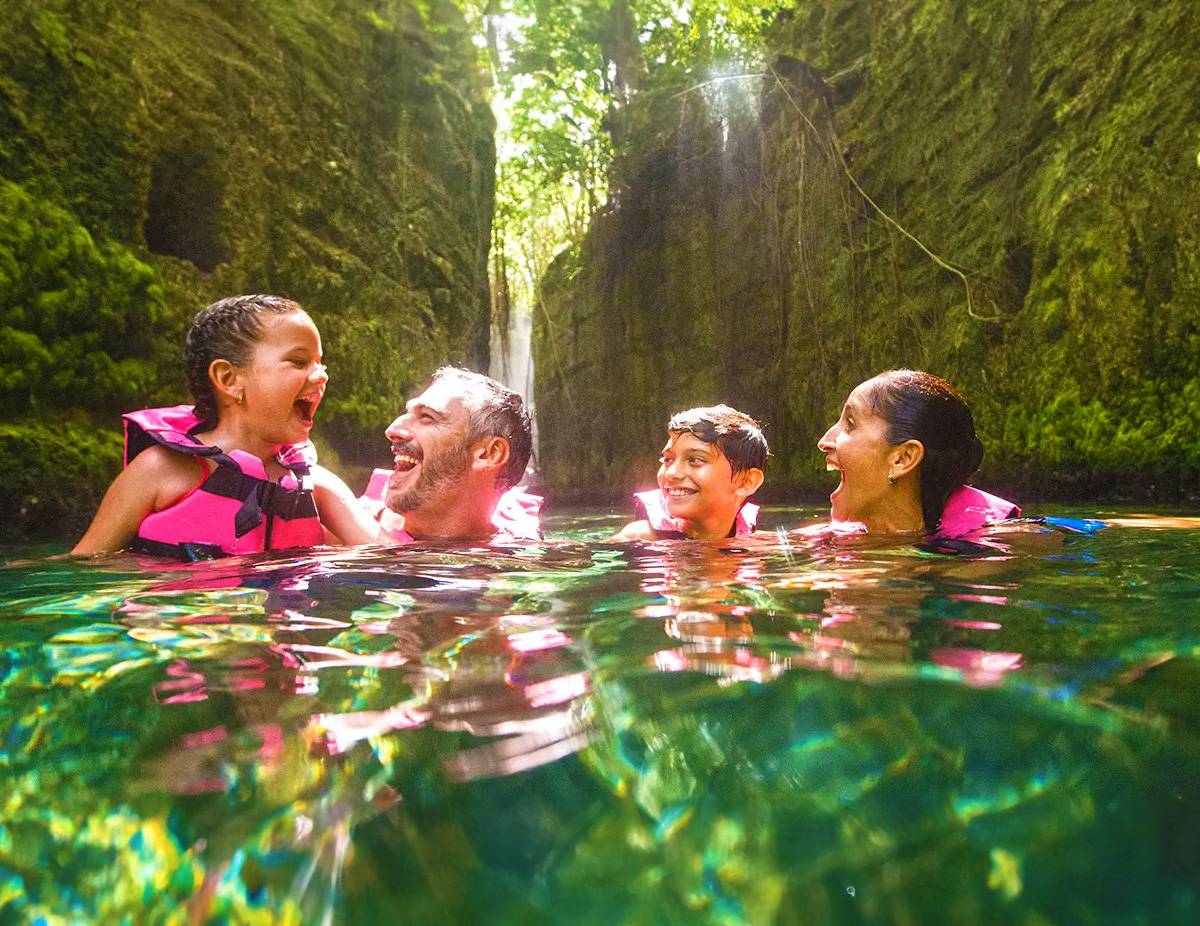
column 848, row 731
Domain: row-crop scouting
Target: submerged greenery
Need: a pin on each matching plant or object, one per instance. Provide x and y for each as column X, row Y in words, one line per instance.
column 155, row 157
column 1001, row 192
column 816, row 732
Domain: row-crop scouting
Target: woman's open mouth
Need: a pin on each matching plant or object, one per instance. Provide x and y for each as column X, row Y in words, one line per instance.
column 832, row 467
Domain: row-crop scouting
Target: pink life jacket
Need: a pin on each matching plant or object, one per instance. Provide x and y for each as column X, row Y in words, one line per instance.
column 236, row 508
column 970, row 509
column 652, row 507
column 515, row 517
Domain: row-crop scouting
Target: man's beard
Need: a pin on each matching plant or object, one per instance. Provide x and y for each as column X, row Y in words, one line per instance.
column 439, row 471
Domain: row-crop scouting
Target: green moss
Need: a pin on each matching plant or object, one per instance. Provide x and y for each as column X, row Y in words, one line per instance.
column 54, row 475
column 155, row 157
column 1046, row 149
column 77, row 319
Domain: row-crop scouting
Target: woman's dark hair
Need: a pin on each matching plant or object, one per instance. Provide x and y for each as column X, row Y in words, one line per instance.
column 924, row 407
column 226, row 330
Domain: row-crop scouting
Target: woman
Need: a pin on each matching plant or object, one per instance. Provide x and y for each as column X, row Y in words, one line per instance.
column 905, row 445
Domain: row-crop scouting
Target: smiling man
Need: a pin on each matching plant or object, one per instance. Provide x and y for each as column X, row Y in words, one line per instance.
column 459, row 449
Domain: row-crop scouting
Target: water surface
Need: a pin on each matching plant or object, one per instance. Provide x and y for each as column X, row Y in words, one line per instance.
column 846, row 731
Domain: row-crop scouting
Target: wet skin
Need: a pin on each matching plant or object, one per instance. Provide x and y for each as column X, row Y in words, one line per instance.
column 430, row 447
column 857, row 447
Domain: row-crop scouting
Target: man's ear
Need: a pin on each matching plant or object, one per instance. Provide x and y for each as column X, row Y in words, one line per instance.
column 906, row 457
column 746, row 482
column 225, row 380
column 491, row 452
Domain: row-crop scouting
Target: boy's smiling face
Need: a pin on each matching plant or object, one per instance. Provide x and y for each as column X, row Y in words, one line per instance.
column 697, row 480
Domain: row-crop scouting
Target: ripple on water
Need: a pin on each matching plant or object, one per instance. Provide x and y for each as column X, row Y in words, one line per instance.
column 848, row 730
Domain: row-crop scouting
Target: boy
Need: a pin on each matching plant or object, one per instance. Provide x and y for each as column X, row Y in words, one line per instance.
column 712, row 463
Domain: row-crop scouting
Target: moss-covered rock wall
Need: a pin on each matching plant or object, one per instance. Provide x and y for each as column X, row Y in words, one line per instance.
column 155, row 156
column 774, row 242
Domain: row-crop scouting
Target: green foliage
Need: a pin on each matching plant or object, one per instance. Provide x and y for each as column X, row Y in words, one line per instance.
column 77, row 320
column 52, row 476
column 155, row 157
column 580, row 83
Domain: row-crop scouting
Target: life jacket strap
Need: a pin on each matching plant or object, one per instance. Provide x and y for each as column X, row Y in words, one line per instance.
column 259, row 499
column 186, row 552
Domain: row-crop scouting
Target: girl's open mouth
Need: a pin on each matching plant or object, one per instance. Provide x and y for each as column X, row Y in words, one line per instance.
column 306, row 408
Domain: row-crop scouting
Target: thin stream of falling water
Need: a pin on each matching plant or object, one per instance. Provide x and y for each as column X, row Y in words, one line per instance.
column 511, row 363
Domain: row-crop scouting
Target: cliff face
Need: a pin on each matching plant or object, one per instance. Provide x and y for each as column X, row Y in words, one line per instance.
column 155, row 156
column 774, row 246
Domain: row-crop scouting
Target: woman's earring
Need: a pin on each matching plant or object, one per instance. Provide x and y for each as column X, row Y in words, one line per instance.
column 891, row 479
column 241, row 400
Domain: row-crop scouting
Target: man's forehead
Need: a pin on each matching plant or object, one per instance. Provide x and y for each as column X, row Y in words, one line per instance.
column 440, row 397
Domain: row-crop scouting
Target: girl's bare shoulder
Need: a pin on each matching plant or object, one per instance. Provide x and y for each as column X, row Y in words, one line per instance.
column 173, row 474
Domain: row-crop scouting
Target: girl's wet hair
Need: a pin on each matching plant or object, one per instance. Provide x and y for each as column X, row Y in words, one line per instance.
column 924, row 407
column 738, row 436
column 226, row 330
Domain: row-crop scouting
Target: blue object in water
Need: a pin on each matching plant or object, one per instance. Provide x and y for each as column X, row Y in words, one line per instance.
column 1075, row 525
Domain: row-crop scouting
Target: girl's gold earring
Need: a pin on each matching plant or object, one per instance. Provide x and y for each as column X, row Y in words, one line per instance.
column 241, row 399
column 891, row 479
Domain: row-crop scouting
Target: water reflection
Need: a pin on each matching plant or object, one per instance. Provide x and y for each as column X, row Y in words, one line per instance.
column 754, row 799
column 655, row 732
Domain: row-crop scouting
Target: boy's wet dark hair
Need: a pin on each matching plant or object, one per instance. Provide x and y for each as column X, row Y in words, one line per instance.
column 739, row 437
column 226, row 330
column 924, row 407
column 495, row 411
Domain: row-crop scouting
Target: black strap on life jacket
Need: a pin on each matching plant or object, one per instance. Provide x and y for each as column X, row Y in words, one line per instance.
column 261, row 499
column 184, row 552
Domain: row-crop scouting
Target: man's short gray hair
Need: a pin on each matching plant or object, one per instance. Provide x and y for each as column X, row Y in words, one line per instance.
column 494, row 411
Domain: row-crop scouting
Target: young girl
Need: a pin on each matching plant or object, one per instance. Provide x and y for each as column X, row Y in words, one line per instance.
column 236, row 473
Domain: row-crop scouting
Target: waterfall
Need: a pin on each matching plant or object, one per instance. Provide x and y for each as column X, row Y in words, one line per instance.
column 511, row 363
